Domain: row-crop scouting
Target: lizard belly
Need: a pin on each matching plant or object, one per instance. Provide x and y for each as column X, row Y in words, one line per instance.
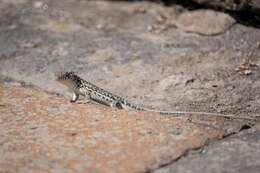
column 83, row 91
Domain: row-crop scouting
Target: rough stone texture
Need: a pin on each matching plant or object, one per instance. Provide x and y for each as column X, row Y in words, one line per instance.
column 110, row 45
column 253, row 5
column 206, row 22
column 43, row 133
column 231, row 155
column 134, row 50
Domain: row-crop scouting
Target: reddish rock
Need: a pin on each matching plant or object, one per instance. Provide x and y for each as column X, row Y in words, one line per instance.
column 44, row 133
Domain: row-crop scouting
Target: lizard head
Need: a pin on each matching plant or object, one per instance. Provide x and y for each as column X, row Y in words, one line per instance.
column 64, row 76
column 69, row 79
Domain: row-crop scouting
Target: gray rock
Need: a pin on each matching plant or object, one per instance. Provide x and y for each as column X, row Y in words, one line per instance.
column 238, row 153
column 205, row 22
column 253, row 5
column 108, row 44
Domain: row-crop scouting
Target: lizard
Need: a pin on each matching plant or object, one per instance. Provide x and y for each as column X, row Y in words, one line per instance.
column 79, row 86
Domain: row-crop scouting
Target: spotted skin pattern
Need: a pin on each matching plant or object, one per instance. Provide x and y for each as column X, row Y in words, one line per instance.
column 82, row 87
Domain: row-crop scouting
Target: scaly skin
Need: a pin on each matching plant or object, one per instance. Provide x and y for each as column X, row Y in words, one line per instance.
column 82, row 87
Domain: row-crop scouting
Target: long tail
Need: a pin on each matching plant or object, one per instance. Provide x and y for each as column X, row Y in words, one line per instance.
column 230, row 116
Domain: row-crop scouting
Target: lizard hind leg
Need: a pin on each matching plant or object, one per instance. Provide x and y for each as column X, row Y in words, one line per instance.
column 119, row 105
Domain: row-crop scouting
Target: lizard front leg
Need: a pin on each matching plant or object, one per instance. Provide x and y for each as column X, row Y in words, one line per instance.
column 75, row 97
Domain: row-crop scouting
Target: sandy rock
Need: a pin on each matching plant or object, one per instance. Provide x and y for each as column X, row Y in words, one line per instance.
column 43, row 133
column 205, row 22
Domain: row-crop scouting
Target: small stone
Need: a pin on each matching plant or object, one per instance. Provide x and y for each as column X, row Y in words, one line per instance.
column 206, row 22
column 38, row 4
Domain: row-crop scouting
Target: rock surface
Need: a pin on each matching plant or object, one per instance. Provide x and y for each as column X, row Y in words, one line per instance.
column 134, row 50
column 253, row 5
column 234, row 155
column 43, row 133
column 206, row 22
